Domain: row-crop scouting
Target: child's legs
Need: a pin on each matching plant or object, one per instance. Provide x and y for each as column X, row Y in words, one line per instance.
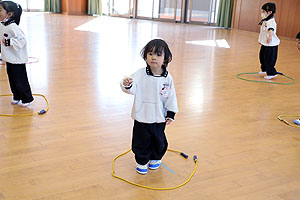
column 262, row 58
column 270, row 60
column 141, row 142
column 20, row 79
column 13, row 87
column 160, row 143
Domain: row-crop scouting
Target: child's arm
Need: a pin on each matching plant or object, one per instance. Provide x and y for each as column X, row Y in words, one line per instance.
column 269, row 39
column 271, row 27
column 171, row 104
column 127, row 82
column 169, row 121
column 15, row 38
column 128, row 85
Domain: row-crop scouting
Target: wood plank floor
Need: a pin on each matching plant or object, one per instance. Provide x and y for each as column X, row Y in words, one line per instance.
column 244, row 152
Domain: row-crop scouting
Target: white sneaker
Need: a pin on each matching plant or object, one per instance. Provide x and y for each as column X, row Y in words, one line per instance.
column 24, row 105
column 14, row 102
column 141, row 169
column 269, row 77
column 154, row 164
column 262, row 73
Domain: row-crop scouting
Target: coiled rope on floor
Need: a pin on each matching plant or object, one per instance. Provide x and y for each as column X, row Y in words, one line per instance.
column 280, row 117
column 251, row 73
column 153, row 188
column 41, row 112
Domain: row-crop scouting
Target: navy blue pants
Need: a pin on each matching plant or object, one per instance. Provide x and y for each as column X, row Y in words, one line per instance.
column 149, row 141
column 268, row 58
column 18, row 81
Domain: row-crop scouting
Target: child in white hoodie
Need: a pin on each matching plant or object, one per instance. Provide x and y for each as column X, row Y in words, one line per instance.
column 269, row 41
column 297, row 121
column 155, row 105
column 14, row 52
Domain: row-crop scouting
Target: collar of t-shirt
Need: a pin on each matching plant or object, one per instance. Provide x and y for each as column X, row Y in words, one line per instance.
column 266, row 19
column 8, row 22
column 150, row 73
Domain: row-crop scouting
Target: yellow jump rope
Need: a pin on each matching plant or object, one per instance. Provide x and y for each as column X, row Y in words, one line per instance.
column 153, row 188
column 280, row 117
column 41, row 112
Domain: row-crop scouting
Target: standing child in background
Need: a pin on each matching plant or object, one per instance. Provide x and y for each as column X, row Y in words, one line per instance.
column 297, row 121
column 298, row 41
column 155, row 105
column 14, row 52
column 269, row 41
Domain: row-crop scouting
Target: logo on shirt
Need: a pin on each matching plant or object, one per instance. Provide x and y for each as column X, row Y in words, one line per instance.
column 165, row 91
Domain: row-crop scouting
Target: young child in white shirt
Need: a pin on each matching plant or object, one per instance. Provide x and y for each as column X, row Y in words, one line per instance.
column 155, row 105
column 297, row 121
column 269, row 41
column 298, row 41
column 14, row 52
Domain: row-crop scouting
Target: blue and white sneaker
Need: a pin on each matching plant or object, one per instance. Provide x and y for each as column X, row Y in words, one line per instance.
column 141, row 169
column 297, row 121
column 154, row 164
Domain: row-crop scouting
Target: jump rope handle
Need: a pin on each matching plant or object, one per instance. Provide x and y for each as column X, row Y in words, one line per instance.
column 42, row 112
column 184, row 155
column 195, row 158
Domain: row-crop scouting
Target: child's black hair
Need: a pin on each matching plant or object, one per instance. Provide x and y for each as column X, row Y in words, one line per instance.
column 269, row 7
column 15, row 9
column 298, row 36
column 158, row 45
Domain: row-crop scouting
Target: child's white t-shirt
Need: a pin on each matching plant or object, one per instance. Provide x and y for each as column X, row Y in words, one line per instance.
column 153, row 97
column 264, row 34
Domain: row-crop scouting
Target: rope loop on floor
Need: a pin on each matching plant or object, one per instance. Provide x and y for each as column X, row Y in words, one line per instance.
column 251, row 73
column 280, row 117
column 153, row 188
column 41, row 112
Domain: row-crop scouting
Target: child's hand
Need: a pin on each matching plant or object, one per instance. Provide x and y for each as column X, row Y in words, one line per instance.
column 3, row 41
column 127, row 81
column 269, row 39
column 169, row 121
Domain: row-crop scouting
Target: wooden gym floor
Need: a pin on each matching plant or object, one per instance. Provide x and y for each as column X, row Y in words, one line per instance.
column 244, row 151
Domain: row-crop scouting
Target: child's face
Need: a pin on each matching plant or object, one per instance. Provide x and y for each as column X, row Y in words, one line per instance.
column 3, row 13
column 265, row 14
column 298, row 44
column 155, row 60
